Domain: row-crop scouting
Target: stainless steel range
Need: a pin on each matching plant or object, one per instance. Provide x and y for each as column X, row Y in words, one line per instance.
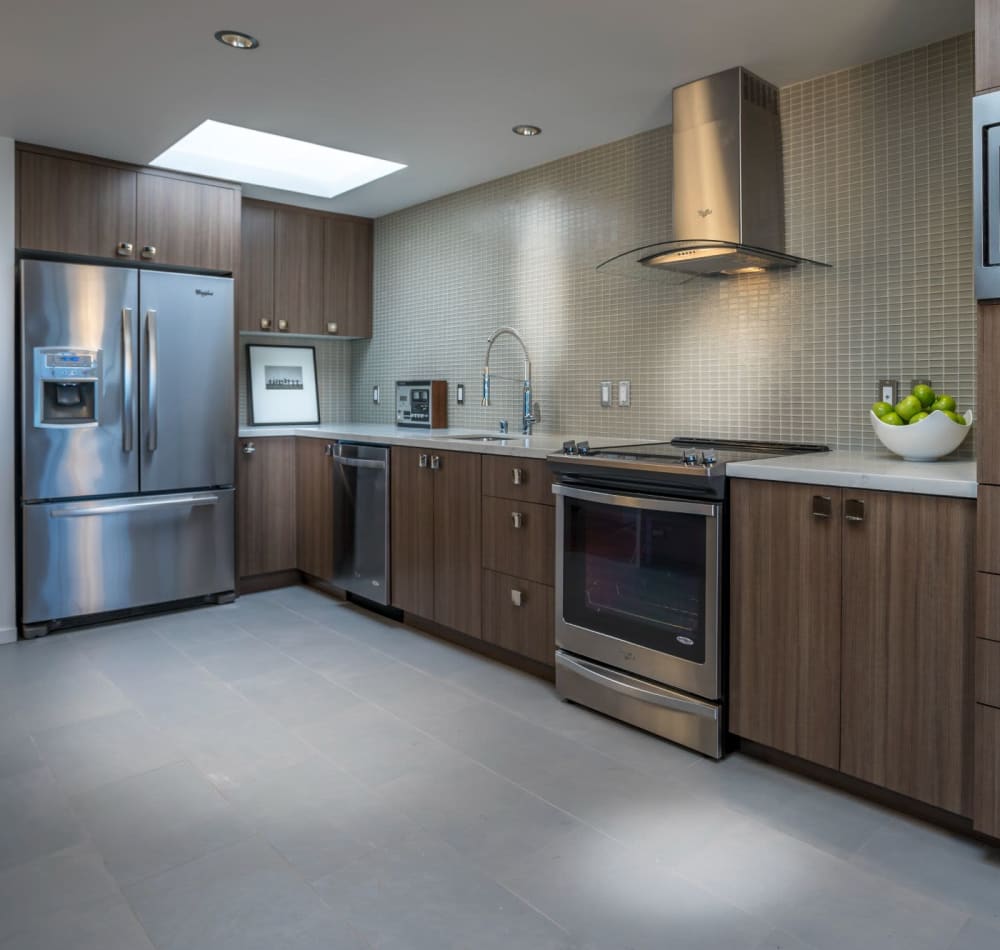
column 641, row 582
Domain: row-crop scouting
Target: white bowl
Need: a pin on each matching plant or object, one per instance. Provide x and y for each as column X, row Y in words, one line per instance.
column 930, row 439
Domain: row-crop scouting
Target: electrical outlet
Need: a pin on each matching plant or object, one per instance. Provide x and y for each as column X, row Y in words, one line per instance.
column 625, row 393
column 460, row 394
column 606, row 393
column 888, row 391
column 376, row 394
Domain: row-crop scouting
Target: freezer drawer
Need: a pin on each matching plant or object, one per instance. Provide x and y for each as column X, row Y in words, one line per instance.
column 113, row 554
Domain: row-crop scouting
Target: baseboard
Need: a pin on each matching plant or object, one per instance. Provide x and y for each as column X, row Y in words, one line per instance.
column 8, row 634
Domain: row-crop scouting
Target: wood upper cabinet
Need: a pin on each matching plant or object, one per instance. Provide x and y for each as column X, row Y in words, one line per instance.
column 298, row 271
column 266, row 506
column 347, row 294
column 187, row 223
column 908, row 570
column 314, row 475
column 75, row 207
column 255, row 286
column 436, row 536
column 987, row 45
column 785, row 618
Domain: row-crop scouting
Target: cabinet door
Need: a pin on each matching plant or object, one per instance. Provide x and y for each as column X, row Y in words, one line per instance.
column 785, row 617
column 255, row 286
column 412, row 532
column 519, row 616
column 519, row 539
column 75, row 207
column 458, row 532
column 266, row 506
column 314, row 506
column 298, row 271
column 986, row 814
column 348, row 278
column 908, row 635
column 187, row 223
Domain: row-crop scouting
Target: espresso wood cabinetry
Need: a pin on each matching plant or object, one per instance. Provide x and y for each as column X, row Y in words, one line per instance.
column 986, row 817
column 436, row 515
column 266, row 506
column 74, row 204
column 838, row 660
column 314, row 474
column 517, row 615
column 519, row 539
column 304, row 272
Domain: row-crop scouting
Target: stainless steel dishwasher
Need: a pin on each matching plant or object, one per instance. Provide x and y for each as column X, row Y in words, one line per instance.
column 361, row 520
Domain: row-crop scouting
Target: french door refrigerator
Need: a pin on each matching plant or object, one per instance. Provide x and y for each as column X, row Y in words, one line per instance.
column 126, row 439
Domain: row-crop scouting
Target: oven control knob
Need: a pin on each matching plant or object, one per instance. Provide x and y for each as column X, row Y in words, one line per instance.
column 690, row 458
column 583, row 448
column 569, row 448
column 708, row 457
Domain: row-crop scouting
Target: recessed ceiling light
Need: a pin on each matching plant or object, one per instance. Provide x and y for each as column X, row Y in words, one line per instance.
column 526, row 130
column 237, row 40
column 226, row 151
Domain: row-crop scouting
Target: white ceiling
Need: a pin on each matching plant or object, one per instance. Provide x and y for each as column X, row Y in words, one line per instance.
column 435, row 84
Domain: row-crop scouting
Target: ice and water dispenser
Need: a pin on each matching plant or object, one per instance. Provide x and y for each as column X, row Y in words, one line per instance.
column 67, row 387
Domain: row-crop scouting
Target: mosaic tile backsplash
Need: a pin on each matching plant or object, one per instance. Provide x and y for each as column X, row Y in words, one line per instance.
column 878, row 184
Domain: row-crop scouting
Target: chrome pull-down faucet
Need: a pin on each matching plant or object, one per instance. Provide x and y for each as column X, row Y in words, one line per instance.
column 528, row 417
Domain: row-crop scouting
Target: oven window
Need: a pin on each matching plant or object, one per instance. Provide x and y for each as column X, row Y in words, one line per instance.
column 636, row 575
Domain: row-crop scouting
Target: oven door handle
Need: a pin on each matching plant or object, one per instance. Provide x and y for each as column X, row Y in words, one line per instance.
column 645, row 502
column 623, row 684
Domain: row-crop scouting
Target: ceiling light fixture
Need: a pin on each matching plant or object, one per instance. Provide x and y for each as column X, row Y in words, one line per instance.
column 218, row 150
column 526, row 130
column 237, row 40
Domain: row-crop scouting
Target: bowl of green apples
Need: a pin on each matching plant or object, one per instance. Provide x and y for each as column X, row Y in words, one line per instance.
column 922, row 427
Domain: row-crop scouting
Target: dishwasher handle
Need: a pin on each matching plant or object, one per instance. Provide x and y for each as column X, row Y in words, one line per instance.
column 358, row 463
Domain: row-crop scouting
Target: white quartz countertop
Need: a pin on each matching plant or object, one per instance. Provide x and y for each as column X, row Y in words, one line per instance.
column 854, row 470
column 533, row 446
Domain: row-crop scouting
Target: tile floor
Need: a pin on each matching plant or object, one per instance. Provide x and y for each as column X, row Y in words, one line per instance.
column 293, row 772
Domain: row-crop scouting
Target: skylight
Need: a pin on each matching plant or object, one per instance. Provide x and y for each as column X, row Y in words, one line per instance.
column 218, row 150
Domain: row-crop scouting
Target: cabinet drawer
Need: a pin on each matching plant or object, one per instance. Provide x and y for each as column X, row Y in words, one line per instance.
column 519, row 479
column 988, row 606
column 988, row 672
column 517, row 615
column 986, row 807
column 519, row 539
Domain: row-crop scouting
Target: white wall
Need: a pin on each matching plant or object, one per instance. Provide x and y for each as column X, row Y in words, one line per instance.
column 8, row 631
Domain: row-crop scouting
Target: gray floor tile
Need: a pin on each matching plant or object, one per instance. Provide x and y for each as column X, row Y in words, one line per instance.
column 85, row 755
column 245, row 897
column 339, row 658
column 297, row 696
column 175, row 698
column 72, row 878
column 155, row 821
column 18, row 753
column 47, row 702
column 37, row 817
column 978, row 934
column 106, row 925
column 29, row 660
column 196, row 634
column 237, row 660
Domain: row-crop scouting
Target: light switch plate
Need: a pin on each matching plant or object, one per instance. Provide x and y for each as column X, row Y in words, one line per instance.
column 460, row 393
column 376, row 394
column 625, row 393
column 888, row 391
column 606, row 393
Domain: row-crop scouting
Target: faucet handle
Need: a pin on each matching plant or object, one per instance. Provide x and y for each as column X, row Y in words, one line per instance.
column 503, row 426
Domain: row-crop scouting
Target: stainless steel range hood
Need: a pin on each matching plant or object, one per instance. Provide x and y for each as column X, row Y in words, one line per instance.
column 728, row 196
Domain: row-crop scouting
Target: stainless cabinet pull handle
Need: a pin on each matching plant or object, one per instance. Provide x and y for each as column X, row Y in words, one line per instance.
column 515, row 597
column 822, row 506
column 125, row 249
column 517, row 475
column 516, row 519
column 127, row 376
column 265, row 323
column 854, row 510
column 331, row 328
column 422, row 461
column 249, row 448
column 328, row 450
column 153, row 376
column 282, row 325
column 148, row 252
column 435, row 462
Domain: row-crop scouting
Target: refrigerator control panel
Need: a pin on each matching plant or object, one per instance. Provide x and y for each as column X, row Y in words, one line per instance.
column 67, row 387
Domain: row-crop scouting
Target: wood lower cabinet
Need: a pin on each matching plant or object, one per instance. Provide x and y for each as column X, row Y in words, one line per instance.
column 517, row 615
column 75, row 207
column 518, row 479
column 785, row 681
column 314, row 474
column 266, row 521
column 436, row 536
column 986, row 808
column 907, row 643
column 255, row 286
column 519, row 539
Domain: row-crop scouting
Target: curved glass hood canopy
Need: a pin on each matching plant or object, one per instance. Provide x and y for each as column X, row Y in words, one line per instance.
column 728, row 190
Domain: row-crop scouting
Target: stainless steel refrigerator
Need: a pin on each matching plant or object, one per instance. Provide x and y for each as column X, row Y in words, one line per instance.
column 127, row 439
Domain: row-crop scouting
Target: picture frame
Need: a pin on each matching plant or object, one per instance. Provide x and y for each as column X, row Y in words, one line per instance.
column 281, row 385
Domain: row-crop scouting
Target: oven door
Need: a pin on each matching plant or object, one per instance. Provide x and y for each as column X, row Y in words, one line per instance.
column 637, row 585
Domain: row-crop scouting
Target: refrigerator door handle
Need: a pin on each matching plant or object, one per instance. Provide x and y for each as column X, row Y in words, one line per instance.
column 127, row 380
column 153, row 504
column 152, row 373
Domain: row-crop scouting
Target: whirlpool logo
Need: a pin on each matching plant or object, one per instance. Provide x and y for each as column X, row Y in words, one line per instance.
column 204, row 293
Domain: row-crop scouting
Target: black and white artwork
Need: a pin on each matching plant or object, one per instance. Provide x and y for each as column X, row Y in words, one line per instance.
column 282, row 385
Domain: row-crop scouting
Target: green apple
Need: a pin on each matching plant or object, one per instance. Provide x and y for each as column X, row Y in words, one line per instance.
column 908, row 406
column 925, row 394
column 893, row 419
column 955, row 417
column 881, row 409
column 919, row 417
column 944, row 403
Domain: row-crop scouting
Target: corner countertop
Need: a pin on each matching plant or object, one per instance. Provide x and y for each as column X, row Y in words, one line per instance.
column 451, row 439
column 956, row 479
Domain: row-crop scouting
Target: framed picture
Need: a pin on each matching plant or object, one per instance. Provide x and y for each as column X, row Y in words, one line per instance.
column 281, row 381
